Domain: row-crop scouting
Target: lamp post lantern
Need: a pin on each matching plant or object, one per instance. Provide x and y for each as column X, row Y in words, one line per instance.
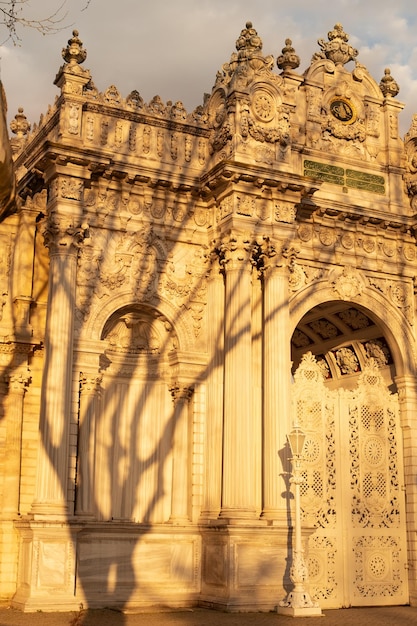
column 298, row 602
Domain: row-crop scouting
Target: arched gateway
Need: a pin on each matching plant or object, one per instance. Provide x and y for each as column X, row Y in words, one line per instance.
column 179, row 289
column 353, row 489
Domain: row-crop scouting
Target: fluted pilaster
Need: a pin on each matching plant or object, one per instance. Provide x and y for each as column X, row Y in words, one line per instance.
column 214, row 421
column 89, row 396
column 18, row 382
column 180, row 466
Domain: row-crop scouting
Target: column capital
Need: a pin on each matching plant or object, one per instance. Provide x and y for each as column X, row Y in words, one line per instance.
column 90, row 383
column 181, row 392
column 18, row 380
column 235, row 250
column 275, row 255
column 62, row 236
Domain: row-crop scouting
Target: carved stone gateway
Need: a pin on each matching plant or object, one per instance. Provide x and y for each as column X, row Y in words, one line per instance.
column 176, row 289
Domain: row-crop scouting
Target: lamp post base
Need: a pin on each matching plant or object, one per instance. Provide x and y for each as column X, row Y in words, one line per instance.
column 299, row 604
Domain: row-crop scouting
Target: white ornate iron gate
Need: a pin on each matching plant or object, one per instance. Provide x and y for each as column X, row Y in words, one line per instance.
column 352, row 491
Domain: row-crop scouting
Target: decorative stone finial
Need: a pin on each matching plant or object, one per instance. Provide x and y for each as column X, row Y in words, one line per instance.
column 249, row 42
column 337, row 48
column 288, row 60
column 20, row 125
column 388, row 85
column 74, row 53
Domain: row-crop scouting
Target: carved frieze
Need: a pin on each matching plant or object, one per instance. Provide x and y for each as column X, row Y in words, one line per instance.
column 399, row 293
column 302, row 275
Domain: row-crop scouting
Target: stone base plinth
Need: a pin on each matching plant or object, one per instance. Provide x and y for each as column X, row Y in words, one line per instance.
column 244, row 567
column 115, row 564
column 47, row 566
column 303, row 611
column 9, row 548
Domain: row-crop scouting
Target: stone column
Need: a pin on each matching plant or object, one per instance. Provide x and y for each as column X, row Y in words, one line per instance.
column 277, row 377
column 180, row 513
column 239, row 488
column 214, row 416
column 18, row 382
column 89, row 397
column 62, row 237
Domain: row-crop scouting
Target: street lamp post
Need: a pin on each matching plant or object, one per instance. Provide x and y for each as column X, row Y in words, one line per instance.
column 298, row 602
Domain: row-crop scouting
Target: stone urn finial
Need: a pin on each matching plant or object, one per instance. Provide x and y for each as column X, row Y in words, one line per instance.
column 288, row 60
column 20, row 125
column 74, row 53
column 388, row 85
column 249, row 42
column 337, row 49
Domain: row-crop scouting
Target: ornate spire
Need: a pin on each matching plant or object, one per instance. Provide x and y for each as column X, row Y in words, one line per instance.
column 249, row 43
column 288, row 60
column 388, row 85
column 337, row 48
column 74, row 53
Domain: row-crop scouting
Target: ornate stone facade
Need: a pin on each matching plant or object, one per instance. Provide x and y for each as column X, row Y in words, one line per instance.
column 177, row 289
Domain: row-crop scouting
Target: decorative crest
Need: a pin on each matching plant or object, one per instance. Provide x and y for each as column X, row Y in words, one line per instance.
column 74, row 53
column 309, row 370
column 289, row 59
column 388, row 85
column 337, row 48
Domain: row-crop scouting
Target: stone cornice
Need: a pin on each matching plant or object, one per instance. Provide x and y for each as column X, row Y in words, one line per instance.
column 354, row 214
column 228, row 172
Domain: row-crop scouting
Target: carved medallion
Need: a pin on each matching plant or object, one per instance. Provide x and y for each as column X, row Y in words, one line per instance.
column 348, row 241
column 343, row 110
column 263, row 106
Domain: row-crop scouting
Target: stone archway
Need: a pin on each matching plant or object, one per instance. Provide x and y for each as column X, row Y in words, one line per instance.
column 352, row 494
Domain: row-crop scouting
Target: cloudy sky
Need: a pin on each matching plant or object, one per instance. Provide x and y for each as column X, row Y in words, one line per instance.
column 174, row 48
